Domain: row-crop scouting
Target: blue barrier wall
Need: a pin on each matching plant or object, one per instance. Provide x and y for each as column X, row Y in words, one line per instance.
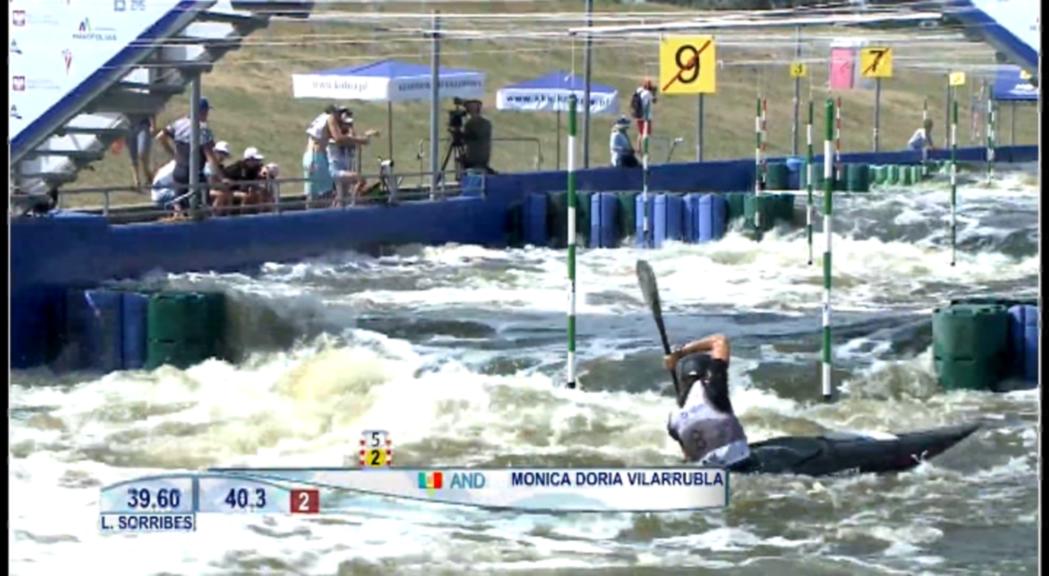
column 49, row 255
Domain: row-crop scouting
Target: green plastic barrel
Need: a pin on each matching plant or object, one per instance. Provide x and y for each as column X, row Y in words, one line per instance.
column 177, row 354
column 817, row 175
column 970, row 331
column 777, row 176
column 968, row 374
column 877, row 174
column 906, row 176
column 767, row 205
column 892, row 175
column 177, row 317
column 857, row 177
column 627, row 213
column 735, row 202
column 216, row 322
column 784, row 208
column 557, row 219
column 917, row 173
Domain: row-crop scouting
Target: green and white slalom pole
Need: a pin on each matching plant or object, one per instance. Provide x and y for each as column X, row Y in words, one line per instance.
column 990, row 138
column 828, row 192
column 571, row 240
column 808, row 179
column 954, row 178
column 645, row 224
column 757, row 163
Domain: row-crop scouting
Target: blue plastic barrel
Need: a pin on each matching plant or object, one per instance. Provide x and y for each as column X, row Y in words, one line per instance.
column 135, row 306
column 669, row 215
column 1031, row 344
column 690, row 220
column 604, row 213
column 96, row 325
column 713, row 216
column 639, row 210
column 1023, row 342
column 534, row 218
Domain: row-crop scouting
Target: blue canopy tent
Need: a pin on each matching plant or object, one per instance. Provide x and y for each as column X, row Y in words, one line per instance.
column 387, row 81
column 551, row 93
column 1013, row 85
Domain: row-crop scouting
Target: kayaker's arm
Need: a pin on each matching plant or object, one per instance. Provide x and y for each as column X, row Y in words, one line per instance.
column 716, row 344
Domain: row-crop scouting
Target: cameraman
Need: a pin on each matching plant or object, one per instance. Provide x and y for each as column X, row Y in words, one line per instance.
column 477, row 136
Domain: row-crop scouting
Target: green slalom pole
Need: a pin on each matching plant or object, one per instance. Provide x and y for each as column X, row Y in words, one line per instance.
column 828, row 192
column 571, row 239
column 757, row 164
column 808, row 179
column 954, row 179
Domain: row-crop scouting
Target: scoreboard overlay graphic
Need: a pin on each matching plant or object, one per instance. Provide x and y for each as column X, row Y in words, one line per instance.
column 172, row 502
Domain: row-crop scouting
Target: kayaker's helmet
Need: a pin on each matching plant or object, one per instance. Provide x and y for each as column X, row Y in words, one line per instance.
column 690, row 369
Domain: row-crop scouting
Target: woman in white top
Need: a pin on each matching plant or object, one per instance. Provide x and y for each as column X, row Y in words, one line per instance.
column 921, row 140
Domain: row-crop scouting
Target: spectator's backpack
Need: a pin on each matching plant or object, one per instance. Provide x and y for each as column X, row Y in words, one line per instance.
column 637, row 108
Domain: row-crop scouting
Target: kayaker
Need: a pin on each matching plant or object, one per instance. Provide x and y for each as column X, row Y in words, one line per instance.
column 704, row 424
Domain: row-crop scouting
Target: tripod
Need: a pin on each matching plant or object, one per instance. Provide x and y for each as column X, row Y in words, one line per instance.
column 458, row 149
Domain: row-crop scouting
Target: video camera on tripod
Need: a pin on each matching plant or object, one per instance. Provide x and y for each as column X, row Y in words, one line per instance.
column 455, row 120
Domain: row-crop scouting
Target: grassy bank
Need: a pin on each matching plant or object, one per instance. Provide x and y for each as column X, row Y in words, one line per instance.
column 250, row 90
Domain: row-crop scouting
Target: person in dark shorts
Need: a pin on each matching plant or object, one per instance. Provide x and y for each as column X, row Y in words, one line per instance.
column 176, row 138
column 704, row 425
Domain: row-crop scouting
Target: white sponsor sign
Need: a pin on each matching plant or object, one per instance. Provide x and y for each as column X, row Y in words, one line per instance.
column 56, row 45
column 551, row 100
column 377, row 88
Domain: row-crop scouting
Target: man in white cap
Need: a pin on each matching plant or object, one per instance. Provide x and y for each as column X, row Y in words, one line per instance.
column 246, row 175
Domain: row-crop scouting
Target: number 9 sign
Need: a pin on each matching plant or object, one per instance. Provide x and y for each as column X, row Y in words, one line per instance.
column 376, row 449
column 687, row 65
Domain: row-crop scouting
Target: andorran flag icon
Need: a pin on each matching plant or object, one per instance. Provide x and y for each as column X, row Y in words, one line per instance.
column 430, row 480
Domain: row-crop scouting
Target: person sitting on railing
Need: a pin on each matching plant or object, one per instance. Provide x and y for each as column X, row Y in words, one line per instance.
column 271, row 189
column 164, row 192
column 342, row 155
column 619, row 147
column 176, row 139
column 220, row 196
column 245, row 175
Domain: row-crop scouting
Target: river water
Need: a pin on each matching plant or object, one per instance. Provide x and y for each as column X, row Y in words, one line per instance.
column 459, row 352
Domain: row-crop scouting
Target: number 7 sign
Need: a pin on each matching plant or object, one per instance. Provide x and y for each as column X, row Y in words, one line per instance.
column 876, row 62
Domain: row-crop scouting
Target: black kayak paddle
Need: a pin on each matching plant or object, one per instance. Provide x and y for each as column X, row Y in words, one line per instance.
column 647, row 280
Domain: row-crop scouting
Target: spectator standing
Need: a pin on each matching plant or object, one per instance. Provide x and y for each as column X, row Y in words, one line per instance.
column 619, row 148
column 641, row 108
column 921, row 140
column 176, row 138
column 342, row 156
column 316, row 171
column 477, row 136
column 139, row 146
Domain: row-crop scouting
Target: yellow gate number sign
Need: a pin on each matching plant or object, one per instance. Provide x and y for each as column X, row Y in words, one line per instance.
column 876, row 62
column 687, row 65
column 798, row 70
column 376, row 449
column 957, row 79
